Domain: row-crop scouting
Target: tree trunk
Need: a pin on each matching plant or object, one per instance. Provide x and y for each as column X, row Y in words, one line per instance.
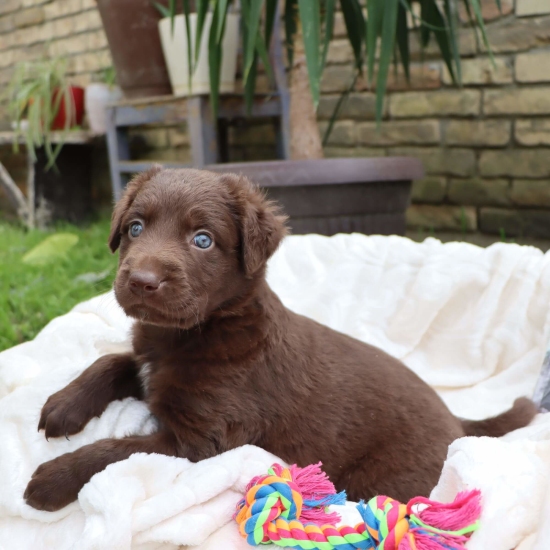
column 305, row 138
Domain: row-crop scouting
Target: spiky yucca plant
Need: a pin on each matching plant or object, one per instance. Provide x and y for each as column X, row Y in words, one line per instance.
column 378, row 32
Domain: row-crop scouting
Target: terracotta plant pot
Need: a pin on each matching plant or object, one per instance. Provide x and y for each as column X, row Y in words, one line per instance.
column 131, row 27
column 77, row 116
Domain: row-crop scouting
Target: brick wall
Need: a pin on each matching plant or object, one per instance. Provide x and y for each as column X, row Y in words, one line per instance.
column 486, row 147
column 30, row 29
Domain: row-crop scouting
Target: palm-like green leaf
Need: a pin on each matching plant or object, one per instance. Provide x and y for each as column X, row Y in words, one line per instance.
column 425, row 28
column 215, row 53
column 311, row 30
column 163, row 10
column 341, row 100
column 250, row 80
column 172, row 10
column 214, row 62
column 270, row 15
column 264, row 55
column 355, row 27
column 251, row 13
column 187, row 18
column 291, row 28
column 328, row 27
column 468, row 9
column 223, row 5
column 262, row 46
column 387, row 44
column 202, row 10
column 451, row 14
column 476, row 6
column 434, row 18
column 402, row 34
column 375, row 10
column 250, row 85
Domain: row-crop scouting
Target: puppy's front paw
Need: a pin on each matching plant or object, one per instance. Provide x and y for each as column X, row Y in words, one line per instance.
column 64, row 413
column 53, row 485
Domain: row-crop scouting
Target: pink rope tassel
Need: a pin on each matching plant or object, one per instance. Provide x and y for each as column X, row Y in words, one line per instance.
column 442, row 525
column 452, row 516
column 317, row 491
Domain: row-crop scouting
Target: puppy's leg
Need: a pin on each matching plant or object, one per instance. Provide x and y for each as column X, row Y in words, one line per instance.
column 56, row 483
column 111, row 377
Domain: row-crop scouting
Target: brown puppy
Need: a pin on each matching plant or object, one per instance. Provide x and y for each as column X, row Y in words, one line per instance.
column 221, row 362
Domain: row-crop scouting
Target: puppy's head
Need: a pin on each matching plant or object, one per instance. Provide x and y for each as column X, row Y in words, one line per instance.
column 190, row 241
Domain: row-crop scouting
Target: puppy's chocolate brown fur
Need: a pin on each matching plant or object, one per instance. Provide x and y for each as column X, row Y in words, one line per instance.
column 222, row 363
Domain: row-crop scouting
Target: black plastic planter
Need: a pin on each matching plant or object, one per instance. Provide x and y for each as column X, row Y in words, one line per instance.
column 330, row 196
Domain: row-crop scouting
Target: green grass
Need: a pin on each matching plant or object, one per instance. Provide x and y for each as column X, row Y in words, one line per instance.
column 32, row 295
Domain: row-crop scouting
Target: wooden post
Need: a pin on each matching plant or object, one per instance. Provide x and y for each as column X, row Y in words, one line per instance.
column 202, row 131
column 119, row 149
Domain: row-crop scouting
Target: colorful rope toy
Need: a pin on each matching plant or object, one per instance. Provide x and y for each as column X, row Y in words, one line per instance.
column 274, row 504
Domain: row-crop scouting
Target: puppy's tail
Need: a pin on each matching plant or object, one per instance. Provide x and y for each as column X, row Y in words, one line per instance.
column 520, row 415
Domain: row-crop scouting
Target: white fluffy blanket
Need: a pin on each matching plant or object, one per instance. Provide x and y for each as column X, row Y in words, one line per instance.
column 474, row 323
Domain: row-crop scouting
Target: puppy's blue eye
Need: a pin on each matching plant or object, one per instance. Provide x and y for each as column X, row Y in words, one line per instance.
column 136, row 229
column 202, row 240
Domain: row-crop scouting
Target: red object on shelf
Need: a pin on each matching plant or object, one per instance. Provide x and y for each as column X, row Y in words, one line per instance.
column 77, row 115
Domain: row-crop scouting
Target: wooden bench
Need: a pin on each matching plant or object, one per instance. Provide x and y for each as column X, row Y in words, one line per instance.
column 208, row 138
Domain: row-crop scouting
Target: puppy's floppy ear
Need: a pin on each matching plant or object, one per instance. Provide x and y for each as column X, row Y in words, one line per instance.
column 262, row 223
column 121, row 207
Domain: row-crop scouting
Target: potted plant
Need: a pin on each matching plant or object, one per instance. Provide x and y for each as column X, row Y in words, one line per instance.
column 98, row 95
column 45, row 107
column 41, row 102
column 377, row 41
column 181, row 48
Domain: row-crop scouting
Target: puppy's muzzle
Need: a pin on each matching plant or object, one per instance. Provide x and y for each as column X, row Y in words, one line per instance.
column 144, row 283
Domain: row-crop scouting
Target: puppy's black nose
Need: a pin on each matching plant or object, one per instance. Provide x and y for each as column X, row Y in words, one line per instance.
column 143, row 282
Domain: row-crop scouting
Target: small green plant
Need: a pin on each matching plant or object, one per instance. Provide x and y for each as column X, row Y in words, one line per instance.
column 463, row 222
column 35, row 95
column 425, row 232
column 503, row 237
column 108, row 76
column 162, row 9
column 173, row 8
